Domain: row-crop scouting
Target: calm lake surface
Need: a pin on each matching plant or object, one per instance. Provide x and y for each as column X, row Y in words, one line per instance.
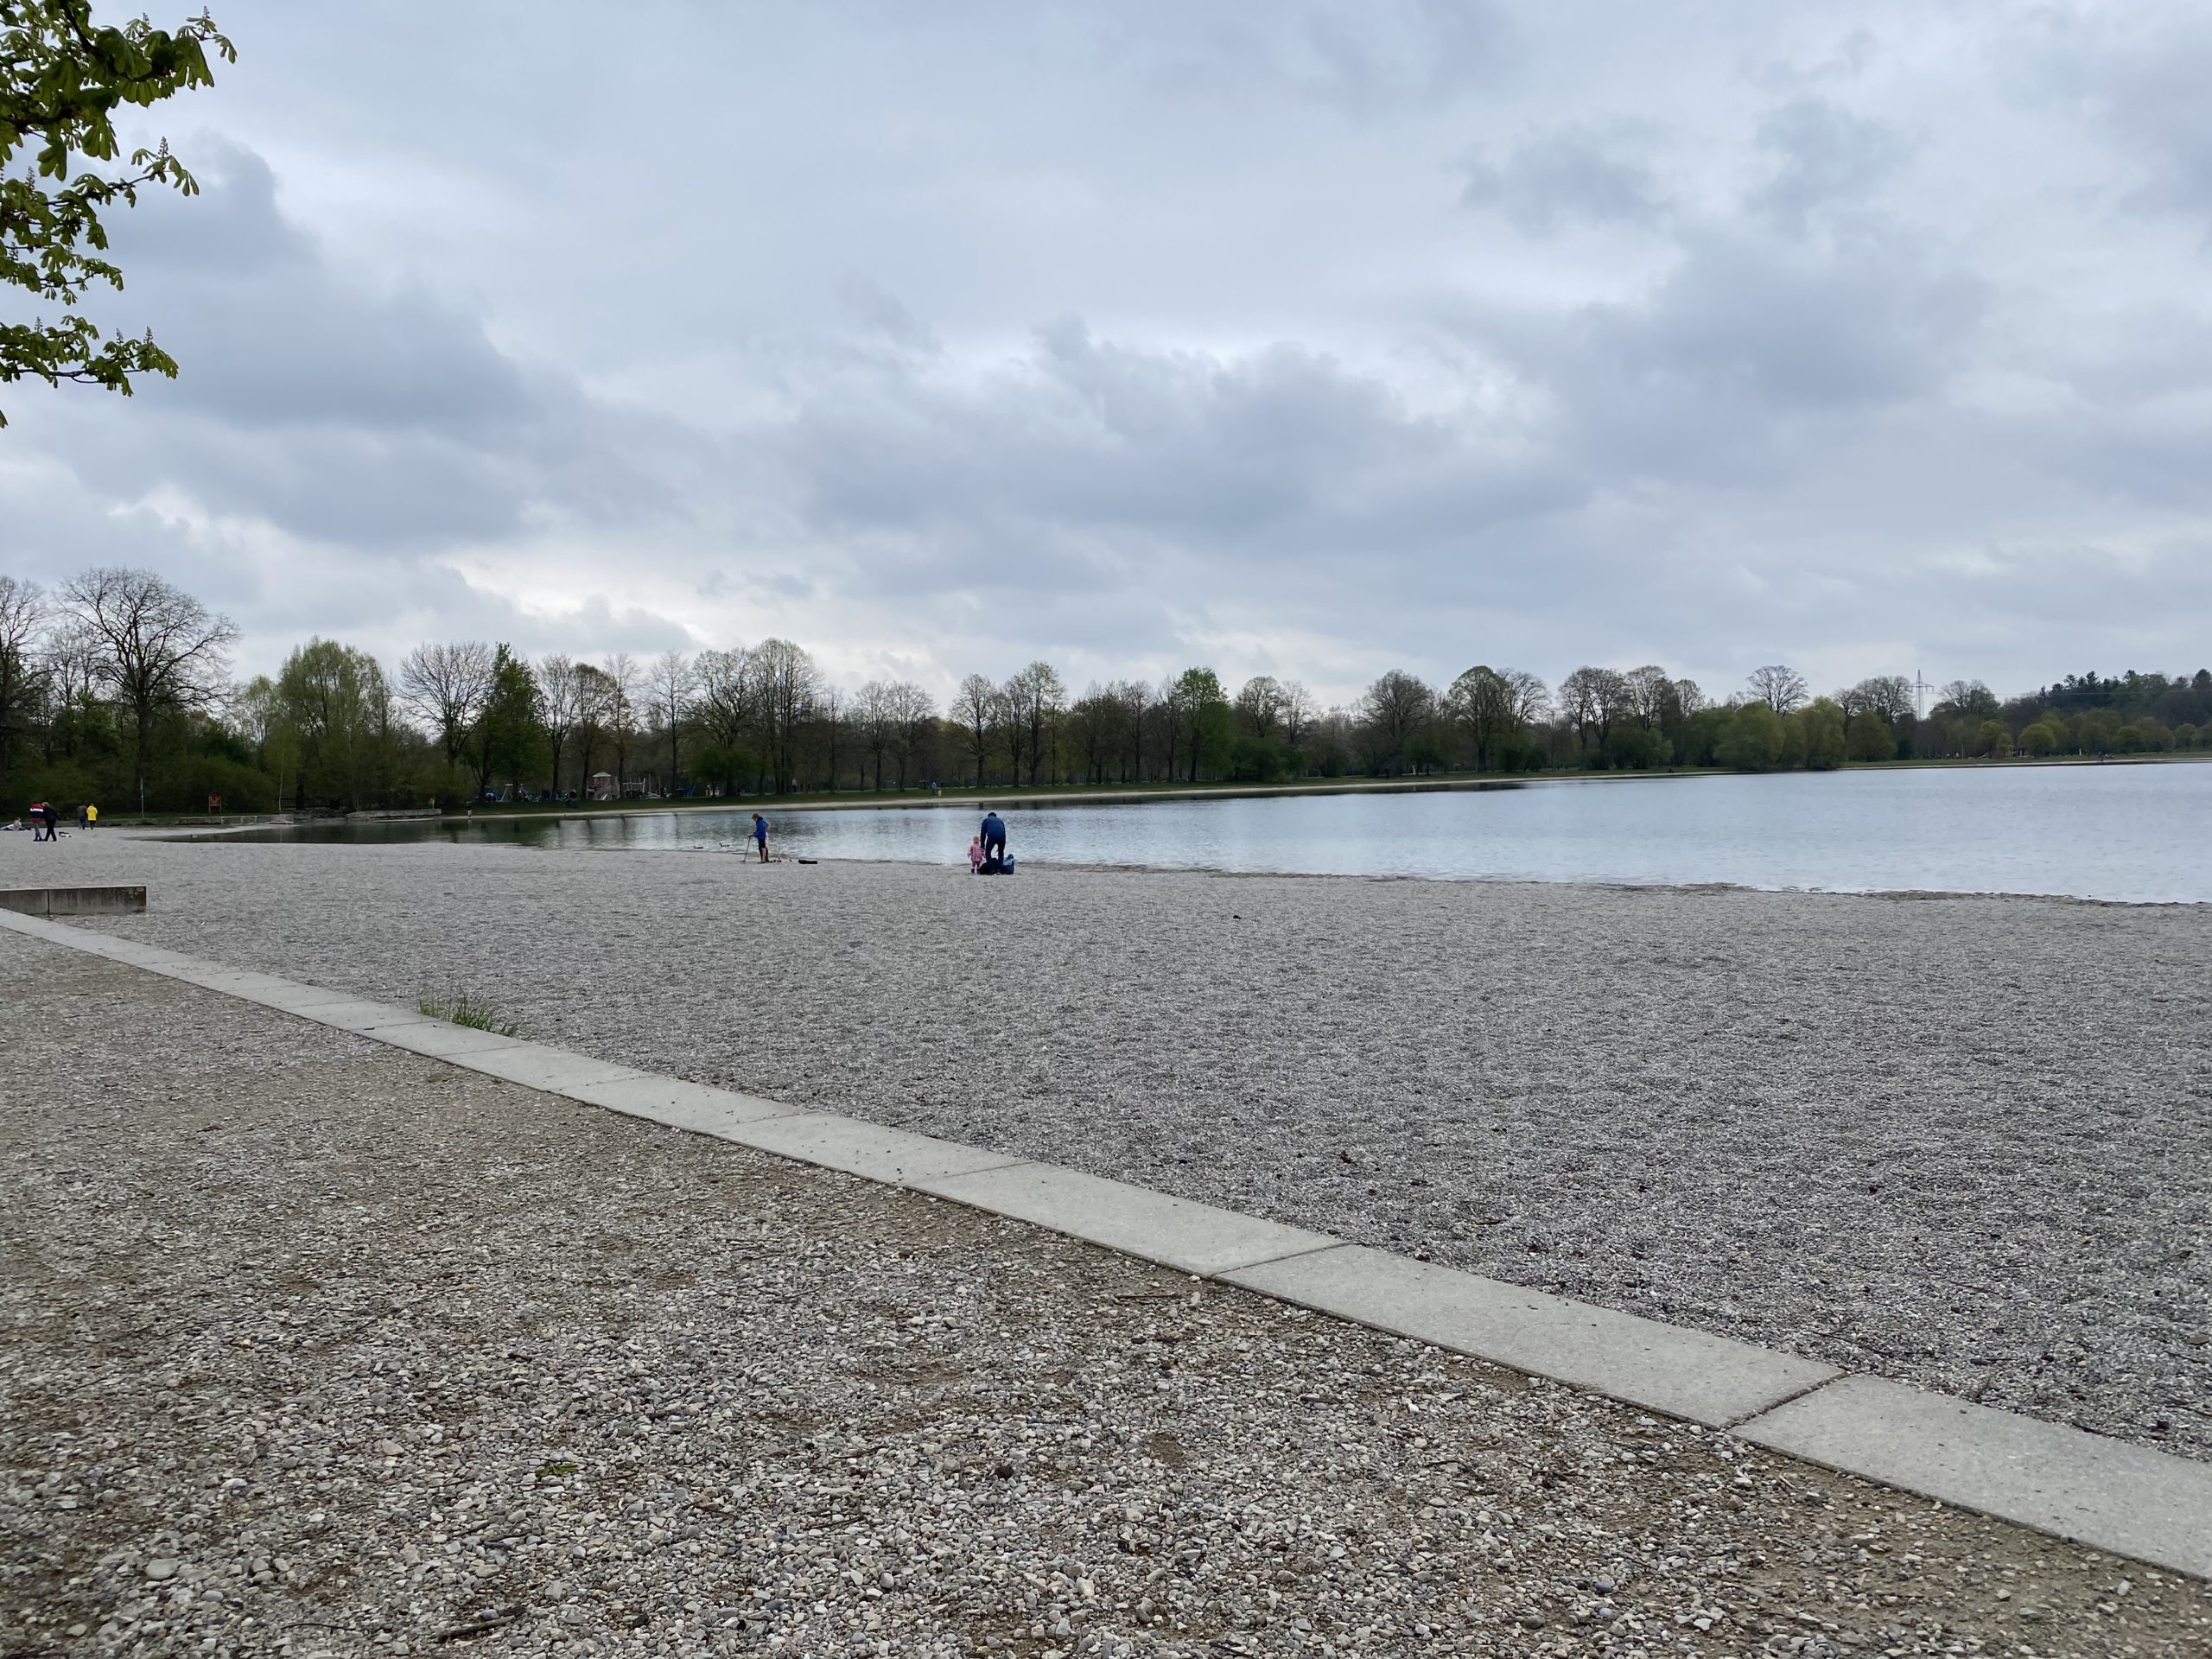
column 2132, row 833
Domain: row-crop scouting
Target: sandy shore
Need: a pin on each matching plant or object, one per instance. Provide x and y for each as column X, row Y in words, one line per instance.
column 1966, row 1142
column 319, row 1348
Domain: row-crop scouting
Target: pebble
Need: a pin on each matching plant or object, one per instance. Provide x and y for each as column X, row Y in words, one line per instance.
column 794, row 1413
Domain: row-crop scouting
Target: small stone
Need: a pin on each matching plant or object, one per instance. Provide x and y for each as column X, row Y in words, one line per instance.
column 161, row 1568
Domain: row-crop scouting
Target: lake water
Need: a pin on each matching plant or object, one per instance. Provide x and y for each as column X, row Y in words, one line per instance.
column 2132, row 833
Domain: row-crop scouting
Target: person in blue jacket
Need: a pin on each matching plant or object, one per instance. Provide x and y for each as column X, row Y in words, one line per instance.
column 994, row 841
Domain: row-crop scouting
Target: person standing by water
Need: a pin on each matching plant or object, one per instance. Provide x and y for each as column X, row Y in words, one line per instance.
column 994, row 836
column 92, row 816
column 760, row 836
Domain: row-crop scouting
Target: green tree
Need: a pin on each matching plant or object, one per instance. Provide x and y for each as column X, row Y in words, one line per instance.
column 61, row 79
column 1753, row 740
column 507, row 734
column 335, row 700
column 1207, row 722
column 1992, row 737
column 1821, row 735
column 1871, row 738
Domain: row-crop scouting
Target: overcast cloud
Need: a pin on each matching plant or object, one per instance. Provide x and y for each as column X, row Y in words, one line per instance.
column 1308, row 339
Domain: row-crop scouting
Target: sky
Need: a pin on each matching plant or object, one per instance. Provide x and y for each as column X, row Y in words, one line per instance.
column 1311, row 339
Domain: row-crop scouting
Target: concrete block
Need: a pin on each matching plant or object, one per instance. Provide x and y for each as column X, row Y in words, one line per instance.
column 1664, row 1367
column 678, row 1104
column 536, row 1066
column 1193, row 1238
column 2106, row 1494
column 74, row 901
column 846, row 1143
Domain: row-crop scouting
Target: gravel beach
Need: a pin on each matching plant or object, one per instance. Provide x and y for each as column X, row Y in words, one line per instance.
column 321, row 1349
column 1966, row 1142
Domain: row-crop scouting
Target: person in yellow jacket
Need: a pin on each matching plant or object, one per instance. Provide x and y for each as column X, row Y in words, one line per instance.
column 92, row 816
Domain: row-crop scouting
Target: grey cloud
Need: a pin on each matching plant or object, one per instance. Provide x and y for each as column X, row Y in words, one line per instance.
column 2140, row 73
column 1573, row 174
column 1825, row 156
column 1371, row 57
column 343, row 411
column 1363, row 58
column 883, row 313
column 1760, row 366
column 1277, row 448
column 1715, row 374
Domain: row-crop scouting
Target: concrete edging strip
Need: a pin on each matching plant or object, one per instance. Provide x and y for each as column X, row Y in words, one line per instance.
column 2073, row 1484
column 2105, row 1494
column 1135, row 1220
column 1705, row 1379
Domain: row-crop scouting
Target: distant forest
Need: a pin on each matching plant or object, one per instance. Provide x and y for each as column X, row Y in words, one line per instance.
column 116, row 689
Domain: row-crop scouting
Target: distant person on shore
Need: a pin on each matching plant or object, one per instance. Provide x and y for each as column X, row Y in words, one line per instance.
column 975, row 854
column 760, row 836
column 994, row 835
column 43, row 823
column 92, row 816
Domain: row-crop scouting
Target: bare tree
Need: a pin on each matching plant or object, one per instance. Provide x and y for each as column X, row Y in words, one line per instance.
column 1394, row 708
column 1135, row 699
column 158, row 648
column 670, row 682
column 1482, row 703
column 1532, row 699
column 976, row 709
column 445, row 687
column 594, row 701
column 1090, row 727
column 1889, row 696
column 834, row 720
column 560, row 694
column 915, row 711
column 1035, row 699
column 786, row 682
column 724, row 703
column 1651, row 695
column 1259, row 707
column 877, row 712
column 621, row 671
column 1300, row 712
column 1589, row 700
column 1781, row 687
column 22, row 618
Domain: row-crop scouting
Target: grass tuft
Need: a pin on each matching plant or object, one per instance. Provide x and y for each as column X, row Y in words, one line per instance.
column 463, row 1009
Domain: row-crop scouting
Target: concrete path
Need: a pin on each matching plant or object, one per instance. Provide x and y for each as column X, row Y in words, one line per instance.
column 319, row 1344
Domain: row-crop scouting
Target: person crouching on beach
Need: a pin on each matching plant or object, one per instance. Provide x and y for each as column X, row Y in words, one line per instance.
column 760, row 836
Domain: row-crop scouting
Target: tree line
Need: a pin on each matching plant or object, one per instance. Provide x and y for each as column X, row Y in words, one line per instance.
column 116, row 688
